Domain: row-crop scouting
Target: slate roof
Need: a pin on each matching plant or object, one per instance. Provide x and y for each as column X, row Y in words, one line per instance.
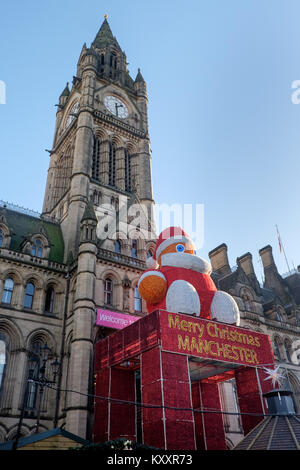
column 24, row 441
column 23, row 226
column 273, row 433
column 105, row 37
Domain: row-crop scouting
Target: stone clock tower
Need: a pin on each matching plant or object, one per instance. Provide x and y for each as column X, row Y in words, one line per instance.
column 101, row 147
column 99, row 190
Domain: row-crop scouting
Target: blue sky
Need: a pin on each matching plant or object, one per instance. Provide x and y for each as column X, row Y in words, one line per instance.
column 224, row 131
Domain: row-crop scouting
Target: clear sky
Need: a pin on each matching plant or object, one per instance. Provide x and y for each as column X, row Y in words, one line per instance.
column 224, row 131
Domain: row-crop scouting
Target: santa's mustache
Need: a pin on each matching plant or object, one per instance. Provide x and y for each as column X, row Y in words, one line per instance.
column 188, row 261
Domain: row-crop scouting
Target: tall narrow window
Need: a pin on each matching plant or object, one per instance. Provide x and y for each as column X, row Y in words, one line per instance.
column 33, row 370
column 37, row 248
column 96, row 159
column 287, row 346
column 1, row 237
column 29, row 295
column 127, row 171
column 112, row 165
column 49, row 301
column 137, row 300
column 3, row 359
column 276, row 348
column 8, row 291
column 117, row 247
column 108, row 291
column 134, row 249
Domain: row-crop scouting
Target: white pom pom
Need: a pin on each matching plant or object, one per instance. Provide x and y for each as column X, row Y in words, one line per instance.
column 151, row 263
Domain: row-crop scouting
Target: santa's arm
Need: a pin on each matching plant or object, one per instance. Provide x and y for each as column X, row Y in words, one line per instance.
column 152, row 286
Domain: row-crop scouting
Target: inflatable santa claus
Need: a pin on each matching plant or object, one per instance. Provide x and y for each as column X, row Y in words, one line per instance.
column 179, row 281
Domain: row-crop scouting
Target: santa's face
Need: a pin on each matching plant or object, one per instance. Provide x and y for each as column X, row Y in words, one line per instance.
column 177, row 248
column 182, row 255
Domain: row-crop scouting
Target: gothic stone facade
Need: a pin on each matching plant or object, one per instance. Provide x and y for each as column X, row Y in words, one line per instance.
column 87, row 250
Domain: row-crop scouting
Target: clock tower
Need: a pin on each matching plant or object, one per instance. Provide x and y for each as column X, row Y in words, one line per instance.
column 99, row 190
column 101, row 147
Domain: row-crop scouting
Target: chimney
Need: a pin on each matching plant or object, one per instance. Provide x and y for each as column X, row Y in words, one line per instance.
column 219, row 259
column 280, row 402
column 267, row 256
column 245, row 261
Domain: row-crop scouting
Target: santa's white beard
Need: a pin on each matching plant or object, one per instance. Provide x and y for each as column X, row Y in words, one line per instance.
column 188, row 261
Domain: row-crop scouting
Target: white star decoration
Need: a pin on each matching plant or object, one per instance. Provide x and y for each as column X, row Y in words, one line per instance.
column 274, row 375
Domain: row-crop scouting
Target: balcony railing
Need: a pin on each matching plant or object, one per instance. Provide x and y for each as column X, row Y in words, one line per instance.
column 120, row 258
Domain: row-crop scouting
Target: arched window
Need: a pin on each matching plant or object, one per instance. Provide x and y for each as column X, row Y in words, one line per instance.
column 29, row 295
column 49, row 301
column 3, row 359
column 137, row 300
column 127, row 171
column 287, row 346
column 280, row 314
column 112, row 165
column 1, row 237
column 149, row 254
column 276, row 348
column 96, row 159
column 108, row 291
column 117, row 247
column 37, row 248
column 8, row 290
column 34, row 363
column 134, row 249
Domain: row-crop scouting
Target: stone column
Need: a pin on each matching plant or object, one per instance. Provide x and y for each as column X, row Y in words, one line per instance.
column 82, row 160
column 80, row 373
column 104, row 162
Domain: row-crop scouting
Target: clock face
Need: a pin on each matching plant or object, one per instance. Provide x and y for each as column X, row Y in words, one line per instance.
column 116, row 107
column 72, row 113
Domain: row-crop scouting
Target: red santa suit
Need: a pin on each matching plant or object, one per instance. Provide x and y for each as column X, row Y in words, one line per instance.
column 189, row 289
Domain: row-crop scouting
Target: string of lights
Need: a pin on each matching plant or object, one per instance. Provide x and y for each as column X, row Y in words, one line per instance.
column 148, row 405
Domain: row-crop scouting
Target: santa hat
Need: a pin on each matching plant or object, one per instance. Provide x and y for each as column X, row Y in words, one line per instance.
column 168, row 237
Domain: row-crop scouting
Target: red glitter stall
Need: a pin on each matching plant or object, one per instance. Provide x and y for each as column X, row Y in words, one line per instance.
column 171, row 364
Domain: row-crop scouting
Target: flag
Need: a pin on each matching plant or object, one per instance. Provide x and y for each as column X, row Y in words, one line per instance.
column 279, row 240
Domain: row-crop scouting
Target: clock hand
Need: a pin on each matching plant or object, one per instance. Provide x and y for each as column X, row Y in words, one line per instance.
column 118, row 106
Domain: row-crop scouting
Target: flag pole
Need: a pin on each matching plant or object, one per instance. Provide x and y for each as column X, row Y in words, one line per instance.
column 281, row 247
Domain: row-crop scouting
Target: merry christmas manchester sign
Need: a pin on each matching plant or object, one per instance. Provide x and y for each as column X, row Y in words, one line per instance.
column 211, row 340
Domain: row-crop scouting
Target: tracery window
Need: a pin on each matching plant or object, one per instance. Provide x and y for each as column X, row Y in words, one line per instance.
column 127, row 171
column 112, row 165
column 96, row 159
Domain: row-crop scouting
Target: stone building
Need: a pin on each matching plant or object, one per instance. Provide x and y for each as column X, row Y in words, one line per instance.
column 88, row 249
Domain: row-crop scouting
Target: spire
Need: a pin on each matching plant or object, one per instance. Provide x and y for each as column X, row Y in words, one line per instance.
column 139, row 77
column 105, row 36
column 66, row 90
column 89, row 213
